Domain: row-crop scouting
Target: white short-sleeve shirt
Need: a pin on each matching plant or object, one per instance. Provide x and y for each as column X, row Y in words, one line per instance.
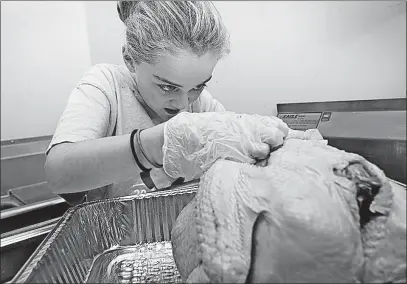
column 104, row 104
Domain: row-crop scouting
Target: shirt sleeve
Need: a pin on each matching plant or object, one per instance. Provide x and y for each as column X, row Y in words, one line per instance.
column 88, row 111
column 208, row 104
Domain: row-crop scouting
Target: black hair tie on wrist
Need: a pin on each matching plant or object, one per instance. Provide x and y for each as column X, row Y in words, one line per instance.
column 133, row 150
column 154, row 164
column 146, row 178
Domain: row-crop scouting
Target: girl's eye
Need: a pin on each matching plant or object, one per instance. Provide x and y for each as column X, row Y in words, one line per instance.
column 171, row 89
column 167, row 88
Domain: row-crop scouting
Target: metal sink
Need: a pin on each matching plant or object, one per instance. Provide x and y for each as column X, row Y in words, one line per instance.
column 26, row 219
column 17, row 246
column 29, row 208
column 26, row 215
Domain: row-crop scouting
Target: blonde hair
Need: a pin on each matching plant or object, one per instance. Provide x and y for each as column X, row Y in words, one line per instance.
column 154, row 27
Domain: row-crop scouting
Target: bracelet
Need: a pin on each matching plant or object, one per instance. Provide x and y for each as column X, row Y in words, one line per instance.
column 144, row 153
column 133, row 150
column 148, row 181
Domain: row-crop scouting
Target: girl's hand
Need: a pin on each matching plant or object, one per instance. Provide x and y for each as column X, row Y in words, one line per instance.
column 194, row 141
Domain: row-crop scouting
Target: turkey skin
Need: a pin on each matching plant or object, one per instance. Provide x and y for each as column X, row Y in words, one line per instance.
column 314, row 214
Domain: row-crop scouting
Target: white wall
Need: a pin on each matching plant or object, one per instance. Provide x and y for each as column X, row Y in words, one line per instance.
column 44, row 53
column 292, row 51
column 311, row 51
column 106, row 32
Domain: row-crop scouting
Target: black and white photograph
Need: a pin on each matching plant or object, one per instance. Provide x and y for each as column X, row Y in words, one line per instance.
column 203, row 142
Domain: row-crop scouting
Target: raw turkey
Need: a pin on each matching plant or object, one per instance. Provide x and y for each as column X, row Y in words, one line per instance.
column 314, row 214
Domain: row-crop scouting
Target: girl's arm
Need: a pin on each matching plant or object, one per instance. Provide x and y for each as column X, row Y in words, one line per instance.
column 82, row 166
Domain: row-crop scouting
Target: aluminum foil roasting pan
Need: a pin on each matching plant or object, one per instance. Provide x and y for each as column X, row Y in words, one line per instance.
column 121, row 240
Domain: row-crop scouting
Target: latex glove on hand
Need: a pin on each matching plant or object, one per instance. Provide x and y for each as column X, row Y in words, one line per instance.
column 194, row 141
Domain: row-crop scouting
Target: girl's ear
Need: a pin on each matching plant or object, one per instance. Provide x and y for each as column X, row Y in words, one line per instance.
column 128, row 60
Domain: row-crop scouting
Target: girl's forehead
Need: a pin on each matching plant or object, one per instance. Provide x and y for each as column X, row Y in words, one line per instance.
column 184, row 69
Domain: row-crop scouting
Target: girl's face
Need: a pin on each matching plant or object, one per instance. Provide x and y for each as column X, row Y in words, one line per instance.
column 174, row 81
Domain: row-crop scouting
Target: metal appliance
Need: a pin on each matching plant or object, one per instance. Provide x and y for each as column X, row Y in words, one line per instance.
column 29, row 209
column 374, row 129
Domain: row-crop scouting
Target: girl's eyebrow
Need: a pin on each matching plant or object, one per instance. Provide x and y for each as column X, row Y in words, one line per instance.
column 166, row 81
column 177, row 85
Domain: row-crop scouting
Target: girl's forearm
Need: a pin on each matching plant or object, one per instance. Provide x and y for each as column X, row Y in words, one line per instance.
column 82, row 166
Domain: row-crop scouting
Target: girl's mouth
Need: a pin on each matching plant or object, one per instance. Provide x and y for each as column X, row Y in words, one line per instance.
column 171, row 111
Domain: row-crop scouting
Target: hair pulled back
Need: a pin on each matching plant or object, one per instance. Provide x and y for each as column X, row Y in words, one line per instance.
column 156, row 27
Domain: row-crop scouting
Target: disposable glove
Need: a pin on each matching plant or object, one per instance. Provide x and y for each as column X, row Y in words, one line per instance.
column 194, row 141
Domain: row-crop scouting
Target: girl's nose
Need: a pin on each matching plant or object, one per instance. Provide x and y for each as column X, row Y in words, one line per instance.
column 181, row 102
